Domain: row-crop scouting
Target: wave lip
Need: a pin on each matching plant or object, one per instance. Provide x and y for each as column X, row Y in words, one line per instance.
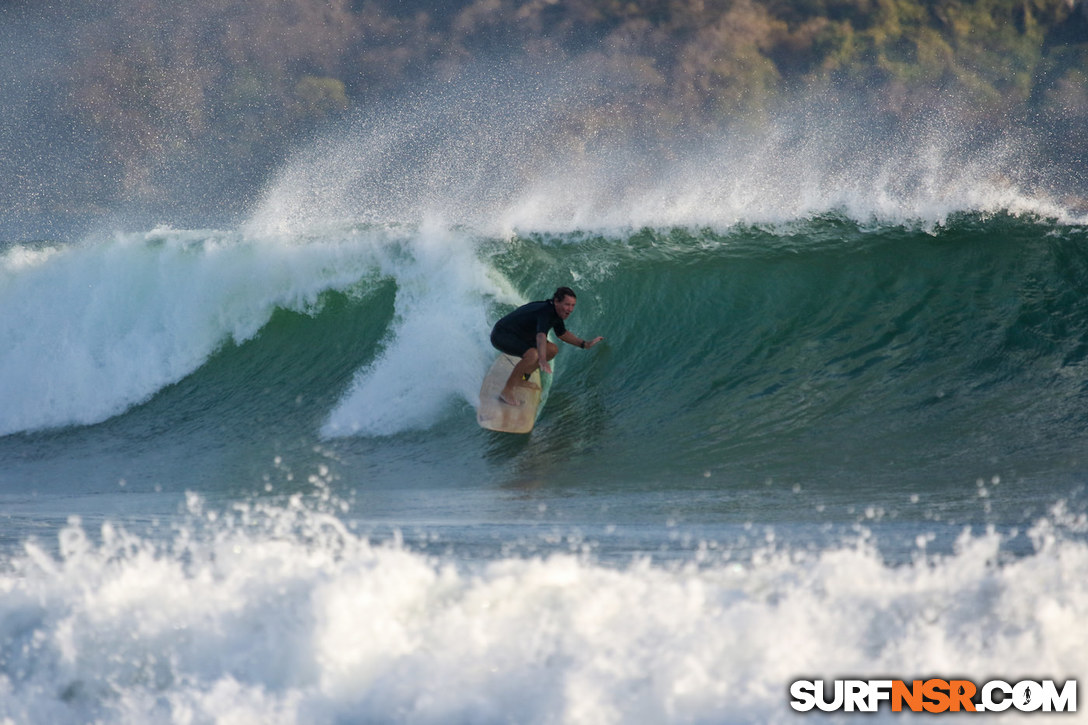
column 90, row 330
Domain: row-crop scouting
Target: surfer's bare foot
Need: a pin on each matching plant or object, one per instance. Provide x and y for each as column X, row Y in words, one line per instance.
column 509, row 399
column 527, row 384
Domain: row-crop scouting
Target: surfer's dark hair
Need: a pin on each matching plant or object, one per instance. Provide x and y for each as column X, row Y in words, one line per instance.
column 564, row 292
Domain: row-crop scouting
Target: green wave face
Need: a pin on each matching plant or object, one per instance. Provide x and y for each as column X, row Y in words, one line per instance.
column 818, row 350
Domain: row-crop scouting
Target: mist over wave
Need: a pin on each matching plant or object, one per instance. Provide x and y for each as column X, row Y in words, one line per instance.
column 503, row 157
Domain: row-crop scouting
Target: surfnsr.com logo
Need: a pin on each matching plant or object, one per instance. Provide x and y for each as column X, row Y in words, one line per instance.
column 934, row 695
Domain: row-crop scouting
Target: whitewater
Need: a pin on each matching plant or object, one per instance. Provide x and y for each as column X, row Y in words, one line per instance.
column 836, row 429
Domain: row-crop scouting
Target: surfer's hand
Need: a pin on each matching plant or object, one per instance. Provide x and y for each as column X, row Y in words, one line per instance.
column 594, row 341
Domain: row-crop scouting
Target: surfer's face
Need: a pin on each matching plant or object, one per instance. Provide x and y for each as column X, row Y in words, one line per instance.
column 565, row 306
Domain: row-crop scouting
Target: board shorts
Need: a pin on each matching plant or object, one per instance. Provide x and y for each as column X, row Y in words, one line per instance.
column 510, row 343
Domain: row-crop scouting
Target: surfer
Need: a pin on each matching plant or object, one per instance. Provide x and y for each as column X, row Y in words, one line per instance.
column 524, row 333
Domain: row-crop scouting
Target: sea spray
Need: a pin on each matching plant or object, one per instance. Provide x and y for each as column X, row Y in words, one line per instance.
column 502, row 160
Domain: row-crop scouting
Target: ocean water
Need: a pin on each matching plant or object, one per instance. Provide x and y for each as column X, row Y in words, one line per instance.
column 837, row 428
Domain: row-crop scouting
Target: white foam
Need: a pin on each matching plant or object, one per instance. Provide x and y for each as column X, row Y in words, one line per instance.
column 87, row 331
column 438, row 348
column 284, row 616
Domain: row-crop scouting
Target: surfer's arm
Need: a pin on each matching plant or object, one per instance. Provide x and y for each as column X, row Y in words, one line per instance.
column 571, row 339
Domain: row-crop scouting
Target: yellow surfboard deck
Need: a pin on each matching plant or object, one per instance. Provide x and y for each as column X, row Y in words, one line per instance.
column 494, row 414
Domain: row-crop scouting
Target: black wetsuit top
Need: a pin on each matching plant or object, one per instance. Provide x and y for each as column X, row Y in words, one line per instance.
column 516, row 333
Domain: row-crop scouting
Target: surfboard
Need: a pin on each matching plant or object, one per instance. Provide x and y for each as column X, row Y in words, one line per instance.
column 493, row 414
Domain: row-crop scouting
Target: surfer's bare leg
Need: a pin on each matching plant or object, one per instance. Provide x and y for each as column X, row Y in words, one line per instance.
column 525, row 366
column 519, row 376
